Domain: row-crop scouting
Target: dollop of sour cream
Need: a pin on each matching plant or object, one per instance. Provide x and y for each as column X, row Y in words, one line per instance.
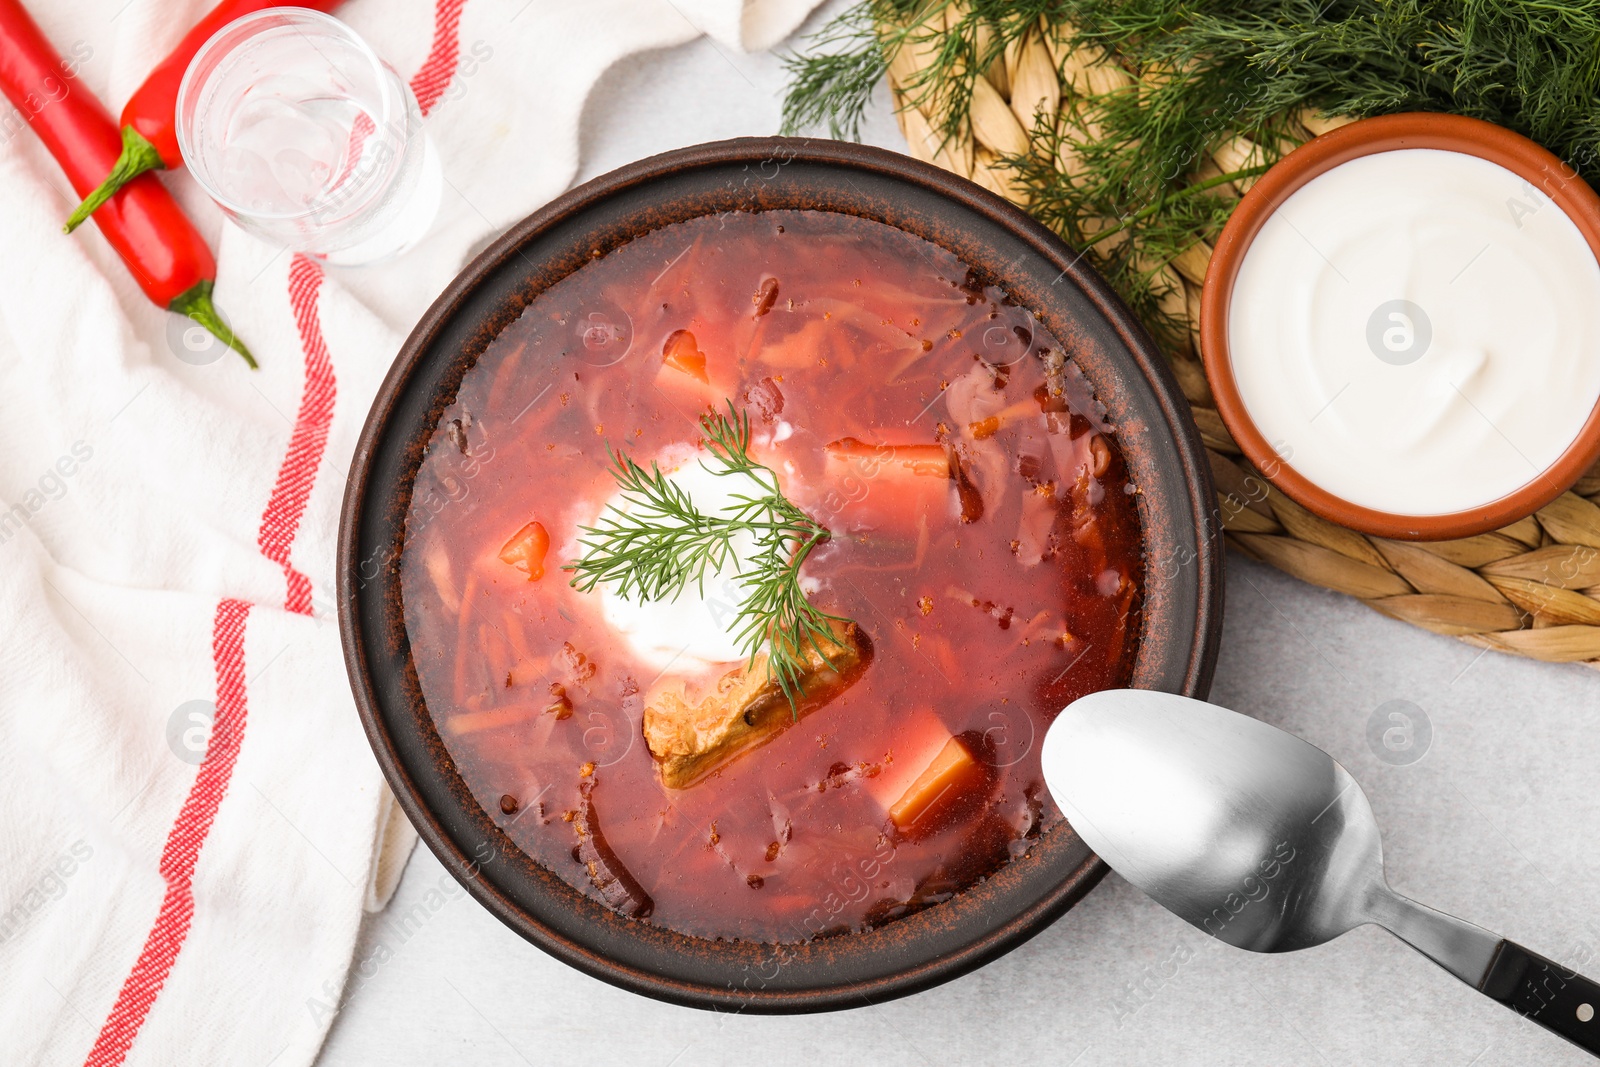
column 1418, row 331
column 697, row 628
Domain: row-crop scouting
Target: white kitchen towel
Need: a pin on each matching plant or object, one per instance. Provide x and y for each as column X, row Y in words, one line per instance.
column 190, row 820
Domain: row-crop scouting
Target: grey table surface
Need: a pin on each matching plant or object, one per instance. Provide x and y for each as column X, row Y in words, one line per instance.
column 1498, row 821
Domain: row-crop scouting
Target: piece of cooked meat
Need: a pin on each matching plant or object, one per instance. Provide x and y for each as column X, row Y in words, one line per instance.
column 691, row 734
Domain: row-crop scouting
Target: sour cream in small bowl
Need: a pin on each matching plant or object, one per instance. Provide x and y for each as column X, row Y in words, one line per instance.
column 1401, row 325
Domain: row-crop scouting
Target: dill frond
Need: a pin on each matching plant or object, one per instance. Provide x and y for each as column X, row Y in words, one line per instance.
column 659, row 541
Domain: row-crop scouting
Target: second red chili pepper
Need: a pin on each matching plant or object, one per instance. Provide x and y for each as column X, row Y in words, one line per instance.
column 149, row 118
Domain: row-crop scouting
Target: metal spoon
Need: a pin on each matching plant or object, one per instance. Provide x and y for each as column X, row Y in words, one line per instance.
column 1267, row 843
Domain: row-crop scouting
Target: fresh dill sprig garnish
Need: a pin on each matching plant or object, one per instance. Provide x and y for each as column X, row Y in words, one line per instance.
column 658, row 541
column 1202, row 72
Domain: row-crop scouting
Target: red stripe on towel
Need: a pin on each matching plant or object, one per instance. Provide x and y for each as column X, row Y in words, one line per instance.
column 182, row 850
column 430, row 82
column 298, row 472
column 285, row 508
column 279, row 525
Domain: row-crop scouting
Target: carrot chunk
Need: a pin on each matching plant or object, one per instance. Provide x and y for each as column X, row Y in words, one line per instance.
column 682, row 353
column 471, row 722
column 886, row 487
column 526, row 550
column 929, row 460
column 949, row 783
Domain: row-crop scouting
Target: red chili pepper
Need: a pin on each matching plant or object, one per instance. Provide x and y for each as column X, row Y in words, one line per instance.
column 167, row 255
column 149, row 118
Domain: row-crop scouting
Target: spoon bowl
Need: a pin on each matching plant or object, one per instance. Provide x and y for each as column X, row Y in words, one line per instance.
column 1242, row 830
column 1265, row 842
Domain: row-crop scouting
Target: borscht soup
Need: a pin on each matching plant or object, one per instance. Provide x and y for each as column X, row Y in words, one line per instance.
column 747, row 568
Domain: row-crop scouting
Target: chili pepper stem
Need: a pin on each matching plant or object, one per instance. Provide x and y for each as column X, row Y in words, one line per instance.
column 195, row 303
column 138, row 156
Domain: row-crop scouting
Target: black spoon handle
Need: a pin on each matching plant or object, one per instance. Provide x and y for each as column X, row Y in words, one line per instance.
column 1558, row 999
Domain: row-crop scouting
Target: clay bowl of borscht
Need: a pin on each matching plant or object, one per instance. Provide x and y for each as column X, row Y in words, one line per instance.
column 721, row 545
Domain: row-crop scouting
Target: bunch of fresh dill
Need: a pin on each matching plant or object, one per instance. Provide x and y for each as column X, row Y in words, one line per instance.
column 1136, row 161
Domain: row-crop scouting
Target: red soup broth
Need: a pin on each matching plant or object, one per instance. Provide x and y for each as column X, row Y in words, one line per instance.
column 991, row 599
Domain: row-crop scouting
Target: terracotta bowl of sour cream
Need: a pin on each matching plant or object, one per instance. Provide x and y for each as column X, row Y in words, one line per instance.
column 1401, row 325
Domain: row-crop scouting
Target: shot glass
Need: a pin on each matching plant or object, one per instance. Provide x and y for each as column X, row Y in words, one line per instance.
column 306, row 138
